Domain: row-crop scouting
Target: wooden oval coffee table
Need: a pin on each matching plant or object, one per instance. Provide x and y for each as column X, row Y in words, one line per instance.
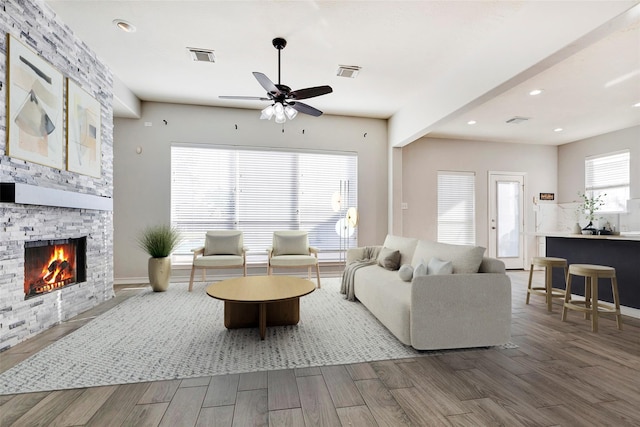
column 261, row 300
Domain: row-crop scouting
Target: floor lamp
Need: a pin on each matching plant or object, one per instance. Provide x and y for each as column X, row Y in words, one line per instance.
column 345, row 227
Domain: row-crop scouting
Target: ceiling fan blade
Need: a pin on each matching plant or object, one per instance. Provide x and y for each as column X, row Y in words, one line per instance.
column 246, row 98
column 306, row 109
column 310, row 92
column 267, row 84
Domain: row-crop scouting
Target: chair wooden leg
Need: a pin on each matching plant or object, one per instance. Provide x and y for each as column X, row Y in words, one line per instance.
column 245, row 269
column 193, row 270
column 318, row 275
column 308, row 273
column 269, row 270
column 594, row 304
column 567, row 297
column 587, row 295
column 529, row 287
column 547, row 285
column 616, row 302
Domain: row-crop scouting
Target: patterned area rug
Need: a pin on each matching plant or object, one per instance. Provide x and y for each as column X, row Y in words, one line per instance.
column 178, row 334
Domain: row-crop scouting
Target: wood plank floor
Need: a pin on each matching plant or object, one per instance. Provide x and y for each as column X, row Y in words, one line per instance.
column 561, row 374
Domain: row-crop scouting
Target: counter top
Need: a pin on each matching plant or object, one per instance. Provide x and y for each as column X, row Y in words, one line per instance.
column 622, row 236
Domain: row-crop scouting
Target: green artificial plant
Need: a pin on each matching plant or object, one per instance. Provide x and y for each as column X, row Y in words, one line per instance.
column 159, row 240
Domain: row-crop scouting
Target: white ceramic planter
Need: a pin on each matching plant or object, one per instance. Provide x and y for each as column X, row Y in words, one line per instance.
column 159, row 273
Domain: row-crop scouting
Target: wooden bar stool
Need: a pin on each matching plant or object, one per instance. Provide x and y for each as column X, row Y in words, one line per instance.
column 548, row 291
column 591, row 306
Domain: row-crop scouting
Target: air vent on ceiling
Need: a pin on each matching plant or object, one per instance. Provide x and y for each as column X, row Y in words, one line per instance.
column 349, row 71
column 202, row 55
column 517, row 120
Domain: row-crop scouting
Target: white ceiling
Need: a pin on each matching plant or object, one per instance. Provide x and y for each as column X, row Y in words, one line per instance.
column 429, row 66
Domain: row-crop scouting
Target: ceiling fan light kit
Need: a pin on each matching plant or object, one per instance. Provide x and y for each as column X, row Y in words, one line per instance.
column 285, row 102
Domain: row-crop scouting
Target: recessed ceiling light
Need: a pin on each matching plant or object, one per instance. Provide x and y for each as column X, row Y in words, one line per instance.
column 471, row 122
column 637, row 104
column 535, row 92
column 558, row 130
column 125, row 26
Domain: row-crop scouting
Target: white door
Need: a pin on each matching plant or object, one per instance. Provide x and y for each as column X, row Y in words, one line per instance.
column 506, row 218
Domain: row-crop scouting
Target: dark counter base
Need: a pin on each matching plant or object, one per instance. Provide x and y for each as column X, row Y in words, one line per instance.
column 623, row 255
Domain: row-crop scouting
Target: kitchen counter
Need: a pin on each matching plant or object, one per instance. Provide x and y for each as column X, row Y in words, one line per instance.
column 633, row 236
column 619, row 251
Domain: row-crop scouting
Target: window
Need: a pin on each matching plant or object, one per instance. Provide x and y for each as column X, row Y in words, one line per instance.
column 259, row 192
column 609, row 174
column 456, row 208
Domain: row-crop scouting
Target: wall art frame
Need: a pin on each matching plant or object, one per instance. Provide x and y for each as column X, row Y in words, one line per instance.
column 35, row 107
column 84, row 149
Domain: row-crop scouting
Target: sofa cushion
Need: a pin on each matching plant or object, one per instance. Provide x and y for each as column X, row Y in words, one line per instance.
column 387, row 297
column 223, row 242
column 405, row 272
column 420, row 270
column 389, row 259
column 290, row 243
column 437, row 267
column 406, row 246
column 465, row 259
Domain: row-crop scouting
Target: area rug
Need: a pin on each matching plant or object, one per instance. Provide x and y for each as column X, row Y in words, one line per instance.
column 179, row 334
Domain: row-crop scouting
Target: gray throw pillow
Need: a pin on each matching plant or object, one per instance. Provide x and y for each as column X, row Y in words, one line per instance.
column 223, row 244
column 420, row 270
column 437, row 266
column 389, row 259
column 406, row 272
column 290, row 244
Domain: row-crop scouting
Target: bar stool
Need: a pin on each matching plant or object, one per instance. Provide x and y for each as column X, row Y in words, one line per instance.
column 591, row 274
column 549, row 292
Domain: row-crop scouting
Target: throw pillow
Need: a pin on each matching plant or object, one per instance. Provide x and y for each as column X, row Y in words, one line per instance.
column 406, row 272
column 290, row 244
column 420, row 270
column 389, row 259
column 437, row 266
column 465, row 259
column 223, row 244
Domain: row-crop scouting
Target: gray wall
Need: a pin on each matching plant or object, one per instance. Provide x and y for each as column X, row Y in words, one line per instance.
column 422, row 160
column 142, row 181
column 571, row 160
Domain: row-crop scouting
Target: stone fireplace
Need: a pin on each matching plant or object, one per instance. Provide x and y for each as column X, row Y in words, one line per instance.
column 44, row 206
column 53, row 264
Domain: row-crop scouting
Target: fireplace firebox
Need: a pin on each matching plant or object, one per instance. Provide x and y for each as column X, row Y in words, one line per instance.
column 53, row 264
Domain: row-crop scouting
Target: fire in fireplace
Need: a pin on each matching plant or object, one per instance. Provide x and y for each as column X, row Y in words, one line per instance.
column 53, row 264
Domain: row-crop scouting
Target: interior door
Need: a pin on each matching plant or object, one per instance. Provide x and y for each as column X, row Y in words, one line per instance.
column 506, row 218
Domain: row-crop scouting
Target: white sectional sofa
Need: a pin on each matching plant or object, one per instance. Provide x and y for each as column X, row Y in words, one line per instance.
column 469, row 308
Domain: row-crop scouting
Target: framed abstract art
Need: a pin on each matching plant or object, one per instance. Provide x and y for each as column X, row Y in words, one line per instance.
column 35, row 107
column 83, row 131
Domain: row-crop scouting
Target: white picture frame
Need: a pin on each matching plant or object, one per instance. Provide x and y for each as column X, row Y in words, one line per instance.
column 34, row 107
column 84, row 153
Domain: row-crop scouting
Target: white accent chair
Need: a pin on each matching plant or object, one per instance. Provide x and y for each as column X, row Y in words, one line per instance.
column 222, row 249
column 291, row 250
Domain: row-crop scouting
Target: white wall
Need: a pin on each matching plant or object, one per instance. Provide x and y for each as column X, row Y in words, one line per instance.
column 142, row 182
column 422, row 160
column 571, row 173
column 571, row 160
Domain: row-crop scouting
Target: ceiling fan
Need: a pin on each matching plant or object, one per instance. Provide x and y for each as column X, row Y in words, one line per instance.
column 285, row 101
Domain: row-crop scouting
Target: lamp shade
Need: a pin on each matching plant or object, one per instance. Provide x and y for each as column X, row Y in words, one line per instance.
column 267, row 113
column 290, row 112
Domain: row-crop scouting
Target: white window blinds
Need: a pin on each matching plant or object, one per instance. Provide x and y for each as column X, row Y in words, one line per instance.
column 456, row 208
column 609, row 174
column 259, row 192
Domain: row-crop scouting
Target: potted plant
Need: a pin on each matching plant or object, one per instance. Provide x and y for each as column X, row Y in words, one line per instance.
column 159, row 241
column 588, row 206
